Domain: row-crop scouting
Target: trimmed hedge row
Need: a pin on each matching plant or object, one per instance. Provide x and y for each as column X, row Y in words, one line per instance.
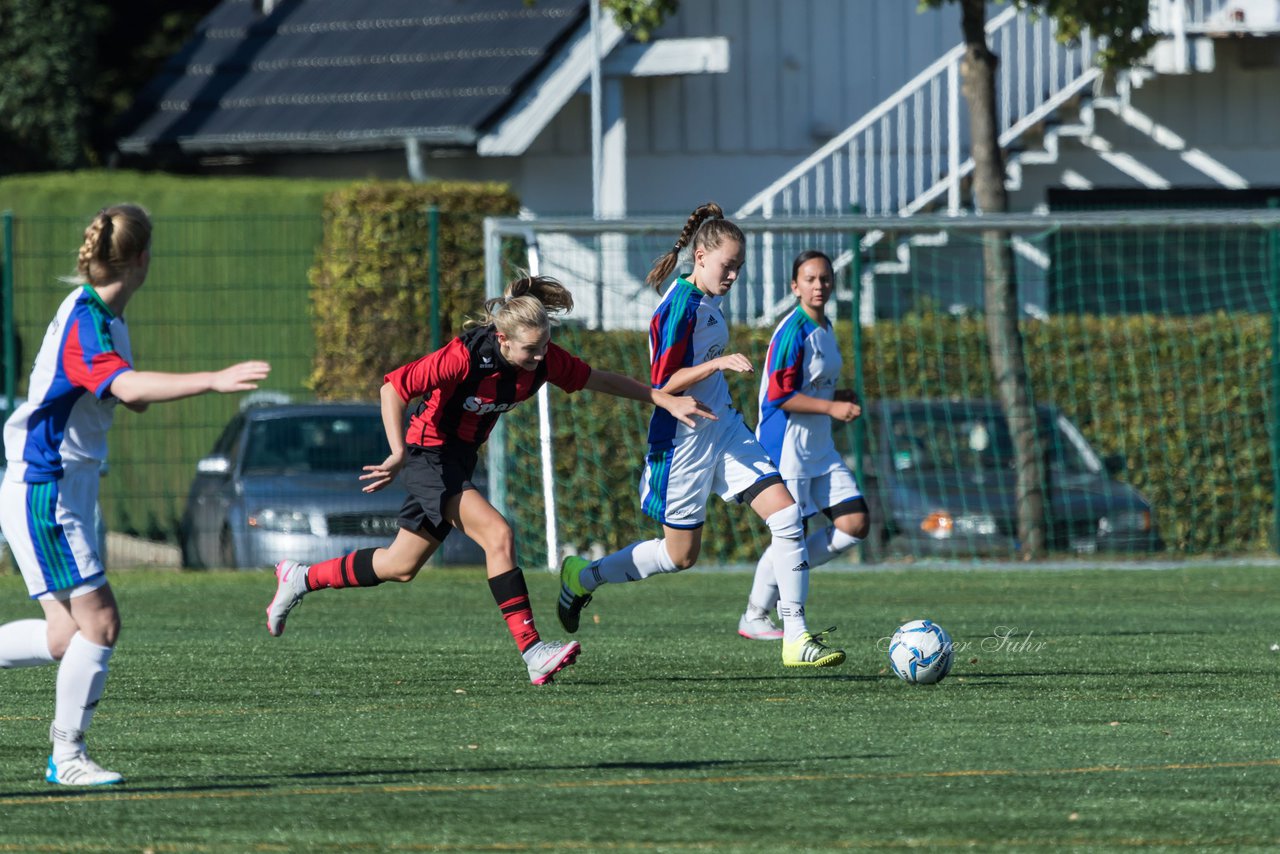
column 369, row 285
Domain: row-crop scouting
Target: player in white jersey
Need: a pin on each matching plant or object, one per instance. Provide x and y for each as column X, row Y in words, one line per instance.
column 799, row 399
column 688, row 340
column 55, row 444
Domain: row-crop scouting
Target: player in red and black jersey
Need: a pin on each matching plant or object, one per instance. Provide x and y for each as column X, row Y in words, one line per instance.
column 464, row 387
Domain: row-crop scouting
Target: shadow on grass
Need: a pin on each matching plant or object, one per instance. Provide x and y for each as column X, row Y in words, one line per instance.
column 374, row 776
column 783, row 677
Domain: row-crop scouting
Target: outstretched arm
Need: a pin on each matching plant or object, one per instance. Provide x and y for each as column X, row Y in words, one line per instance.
column 685, row 409
column 393, row 409
column 137, row 388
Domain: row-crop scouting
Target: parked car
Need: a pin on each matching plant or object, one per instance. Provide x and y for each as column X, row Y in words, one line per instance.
column 282, row 481
column 940, row 480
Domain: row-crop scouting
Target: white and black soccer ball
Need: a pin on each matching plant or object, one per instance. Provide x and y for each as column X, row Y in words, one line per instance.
column 920, row 652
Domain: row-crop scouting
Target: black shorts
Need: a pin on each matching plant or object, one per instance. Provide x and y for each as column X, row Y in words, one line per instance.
column 432, row 476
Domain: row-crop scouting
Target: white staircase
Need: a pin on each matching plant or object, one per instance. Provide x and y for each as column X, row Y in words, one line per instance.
column 910, row 153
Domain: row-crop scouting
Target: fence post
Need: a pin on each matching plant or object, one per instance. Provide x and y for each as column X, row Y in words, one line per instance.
column 1273, row 273
column 6, row 299
column 497, row 444
column 433, row 272
column 855, row 334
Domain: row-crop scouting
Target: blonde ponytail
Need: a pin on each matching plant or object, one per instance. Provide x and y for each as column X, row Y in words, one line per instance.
column 528, row 303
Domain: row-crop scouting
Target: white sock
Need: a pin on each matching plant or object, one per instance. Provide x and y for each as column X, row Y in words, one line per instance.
column 764, row 586
column 631, row 563
column 790, row 569
column 825, row 543
column 25, row 643
column 81, row 677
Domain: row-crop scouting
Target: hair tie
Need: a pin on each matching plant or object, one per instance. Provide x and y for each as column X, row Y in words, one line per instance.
column 675, row 250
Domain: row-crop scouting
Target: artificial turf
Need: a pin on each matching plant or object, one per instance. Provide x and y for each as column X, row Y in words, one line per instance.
column 1087, row 708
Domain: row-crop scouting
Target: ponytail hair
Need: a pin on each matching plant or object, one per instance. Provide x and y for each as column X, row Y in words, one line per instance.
column 528, row 303
column 706, row 228
column 112, row 242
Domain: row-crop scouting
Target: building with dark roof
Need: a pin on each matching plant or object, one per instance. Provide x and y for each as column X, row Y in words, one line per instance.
column 728, row 96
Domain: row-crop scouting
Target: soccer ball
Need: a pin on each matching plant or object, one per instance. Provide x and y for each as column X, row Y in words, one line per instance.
column 920, row 652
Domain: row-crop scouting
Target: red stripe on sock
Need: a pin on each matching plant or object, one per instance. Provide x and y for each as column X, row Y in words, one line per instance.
column 335, row 573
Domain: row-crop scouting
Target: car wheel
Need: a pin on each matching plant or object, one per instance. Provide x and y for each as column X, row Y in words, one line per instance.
column 190, row 554
column 227, row 550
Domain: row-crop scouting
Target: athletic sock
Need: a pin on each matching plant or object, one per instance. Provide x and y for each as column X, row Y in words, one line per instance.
column 512, row 596
column 791, row 569
column 822, row 545
column 352, row 570
column 631, row 563
column 82, row 675
column 764, row 586
column 25, row 643
column 825, row 543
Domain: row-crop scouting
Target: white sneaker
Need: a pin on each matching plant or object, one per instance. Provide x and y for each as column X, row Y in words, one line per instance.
column 80, row 770
column 758, row 627
column 291, row 586
column 548, row 658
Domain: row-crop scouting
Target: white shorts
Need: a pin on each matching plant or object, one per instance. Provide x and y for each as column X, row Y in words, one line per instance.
column 723, row 457
column 816, row 494
column 50, row 529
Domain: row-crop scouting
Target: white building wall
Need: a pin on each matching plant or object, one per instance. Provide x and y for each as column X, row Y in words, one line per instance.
column 1216, row 129
column 800, row 71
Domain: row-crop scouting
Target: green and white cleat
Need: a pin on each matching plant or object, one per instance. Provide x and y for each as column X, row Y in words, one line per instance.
column 573, row 596
column 809, row 650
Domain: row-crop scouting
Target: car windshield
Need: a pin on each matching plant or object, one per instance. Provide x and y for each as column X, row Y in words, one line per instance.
column 975, row 440
column 315, row 443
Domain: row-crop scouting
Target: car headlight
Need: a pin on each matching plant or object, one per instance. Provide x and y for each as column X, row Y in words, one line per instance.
column 281, row 521
column 1125, row 522
column 942, row 525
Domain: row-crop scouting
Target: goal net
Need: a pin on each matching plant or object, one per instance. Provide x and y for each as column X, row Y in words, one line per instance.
column 1149, row 343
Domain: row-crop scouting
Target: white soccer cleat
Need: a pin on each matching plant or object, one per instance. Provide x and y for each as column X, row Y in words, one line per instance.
column 80, row 770
column 291, row 586
column 548, row 658
column 758, row 627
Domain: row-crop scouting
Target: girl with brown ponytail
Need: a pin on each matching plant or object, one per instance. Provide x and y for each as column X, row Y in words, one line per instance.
column 56, row 443
column 500, row 361
column 688, row 337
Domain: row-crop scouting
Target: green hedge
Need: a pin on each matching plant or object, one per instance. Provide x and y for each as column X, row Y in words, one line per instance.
column 1183, row 399
column 370, row 283
column 82, row 194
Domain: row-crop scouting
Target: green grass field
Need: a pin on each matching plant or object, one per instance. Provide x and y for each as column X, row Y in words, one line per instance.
column 1100, row 710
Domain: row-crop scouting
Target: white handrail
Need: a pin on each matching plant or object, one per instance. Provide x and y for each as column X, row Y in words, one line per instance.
column 880, row 163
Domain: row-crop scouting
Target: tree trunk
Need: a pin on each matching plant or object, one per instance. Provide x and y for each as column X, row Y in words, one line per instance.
column 1004, row 339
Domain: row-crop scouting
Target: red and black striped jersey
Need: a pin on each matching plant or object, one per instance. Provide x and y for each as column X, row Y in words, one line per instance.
column 466, row 385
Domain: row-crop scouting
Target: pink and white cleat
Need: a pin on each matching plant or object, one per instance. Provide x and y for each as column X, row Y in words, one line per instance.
column 547, row 658
column 291, row 586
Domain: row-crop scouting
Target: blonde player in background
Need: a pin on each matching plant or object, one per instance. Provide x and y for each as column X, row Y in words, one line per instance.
column 55, row 444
